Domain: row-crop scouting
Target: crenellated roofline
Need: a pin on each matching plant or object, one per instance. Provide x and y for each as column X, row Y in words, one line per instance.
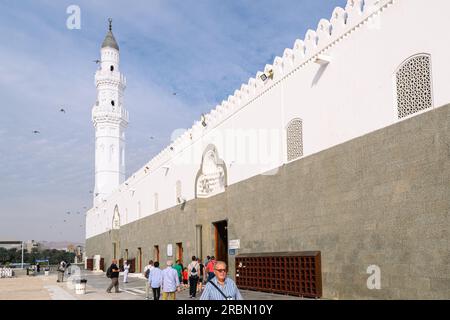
column 315, row 43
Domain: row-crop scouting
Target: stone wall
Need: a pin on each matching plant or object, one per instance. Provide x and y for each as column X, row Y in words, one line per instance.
column 381, row 199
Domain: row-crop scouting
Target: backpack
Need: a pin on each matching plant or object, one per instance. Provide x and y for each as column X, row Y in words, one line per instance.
column 147, row 273
column 109, row 272
column 194, row 271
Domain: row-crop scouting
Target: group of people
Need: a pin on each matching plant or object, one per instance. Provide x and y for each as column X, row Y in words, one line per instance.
column 209, row 277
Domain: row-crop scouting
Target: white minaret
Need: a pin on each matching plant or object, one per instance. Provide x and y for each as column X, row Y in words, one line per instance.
column 110, row 121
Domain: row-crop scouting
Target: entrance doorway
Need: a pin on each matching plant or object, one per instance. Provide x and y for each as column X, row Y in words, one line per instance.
column 180, row 252
column 140, row 260
column 156, row 253
column 221, row 240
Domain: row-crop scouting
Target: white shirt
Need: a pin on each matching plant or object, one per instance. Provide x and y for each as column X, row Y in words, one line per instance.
column 194, row 264
column 170, row 280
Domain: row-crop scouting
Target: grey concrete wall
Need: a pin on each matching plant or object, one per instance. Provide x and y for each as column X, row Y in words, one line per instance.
column 382, row 199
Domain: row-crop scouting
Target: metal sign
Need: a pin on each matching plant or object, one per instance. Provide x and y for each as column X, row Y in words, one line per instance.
column 232, row 252
column 234, row 244
column 169, row 250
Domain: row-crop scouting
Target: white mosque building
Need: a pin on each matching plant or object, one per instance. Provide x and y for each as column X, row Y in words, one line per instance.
column 339, row 148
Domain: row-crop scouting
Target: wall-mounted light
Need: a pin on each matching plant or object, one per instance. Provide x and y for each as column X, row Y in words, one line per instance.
column 265, row 76
column 323, row 59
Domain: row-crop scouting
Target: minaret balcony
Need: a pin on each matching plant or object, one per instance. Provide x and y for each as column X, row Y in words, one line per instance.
column 101, row 114
column 110, row 78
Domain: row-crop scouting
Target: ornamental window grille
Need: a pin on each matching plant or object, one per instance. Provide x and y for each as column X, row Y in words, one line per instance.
column 414, row 89
column 294, row 139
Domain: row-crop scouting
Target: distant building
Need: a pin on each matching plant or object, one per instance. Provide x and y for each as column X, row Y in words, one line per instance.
column 31, row 244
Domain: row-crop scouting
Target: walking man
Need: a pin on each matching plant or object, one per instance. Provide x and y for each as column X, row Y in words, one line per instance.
column 193, row 273
column 170, row 282
column 61, row 270
column 179, row 267
column 220, row 287
column 148, row 268
column 113, row 273
column 155, row 280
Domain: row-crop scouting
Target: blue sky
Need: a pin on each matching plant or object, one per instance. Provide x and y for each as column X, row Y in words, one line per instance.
column 202, row 50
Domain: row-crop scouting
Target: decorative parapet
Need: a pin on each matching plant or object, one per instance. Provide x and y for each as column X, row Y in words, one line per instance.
column 328, row 32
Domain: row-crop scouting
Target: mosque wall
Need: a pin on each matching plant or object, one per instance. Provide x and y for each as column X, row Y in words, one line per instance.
column 379, row 199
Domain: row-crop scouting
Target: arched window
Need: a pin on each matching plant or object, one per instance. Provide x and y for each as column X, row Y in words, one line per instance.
column 111, row 152
column 294, row 139
column 413, row 81
column 116, row 218
column 112, row 68
column 178, row 192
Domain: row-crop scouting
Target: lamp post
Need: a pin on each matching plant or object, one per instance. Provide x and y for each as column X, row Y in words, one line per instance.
column 22, row 255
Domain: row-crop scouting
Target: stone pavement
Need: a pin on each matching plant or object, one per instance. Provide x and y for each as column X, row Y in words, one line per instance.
column 23, row 288
column 42, row 287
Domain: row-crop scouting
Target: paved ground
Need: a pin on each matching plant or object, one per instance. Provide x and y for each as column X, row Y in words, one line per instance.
column 23, row 288
column 43, row 287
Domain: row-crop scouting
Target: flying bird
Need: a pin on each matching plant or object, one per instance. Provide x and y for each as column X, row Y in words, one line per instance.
column 62, row 110
column 174, row 93
column 97, row 61
column 36, row 132
column 151, row 138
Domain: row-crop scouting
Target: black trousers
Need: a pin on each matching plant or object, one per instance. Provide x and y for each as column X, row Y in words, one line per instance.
column 193, row 285
column 156, row 293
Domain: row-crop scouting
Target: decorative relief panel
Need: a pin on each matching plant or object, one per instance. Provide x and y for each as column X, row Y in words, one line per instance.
column 212, row 177
column 413, row 81
column 294, row 140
